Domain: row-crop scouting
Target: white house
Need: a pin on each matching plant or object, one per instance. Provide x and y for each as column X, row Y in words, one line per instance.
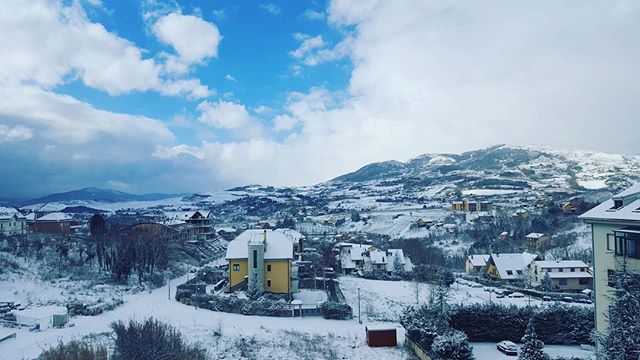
column 388, row 261
column 475, row 263
column 568, row 275
column 12, row 222
column 350, row 257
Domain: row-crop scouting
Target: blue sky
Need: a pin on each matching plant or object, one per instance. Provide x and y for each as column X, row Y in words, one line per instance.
column 180, row 96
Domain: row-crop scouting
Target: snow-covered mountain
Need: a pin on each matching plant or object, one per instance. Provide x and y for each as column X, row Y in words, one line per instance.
column 514, row 175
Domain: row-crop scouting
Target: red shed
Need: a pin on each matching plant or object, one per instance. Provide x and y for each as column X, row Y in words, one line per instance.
column 379, row 336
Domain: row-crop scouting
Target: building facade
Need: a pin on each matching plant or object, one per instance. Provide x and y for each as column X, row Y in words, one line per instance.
column 567, row 275
column 12, row 222
column 615, row 231
column 265, row 259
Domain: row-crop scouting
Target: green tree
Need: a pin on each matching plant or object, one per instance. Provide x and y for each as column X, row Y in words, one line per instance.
column 622, row 341
column 532, row 347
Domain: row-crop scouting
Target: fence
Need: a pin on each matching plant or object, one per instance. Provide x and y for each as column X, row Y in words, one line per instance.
column 417, row 349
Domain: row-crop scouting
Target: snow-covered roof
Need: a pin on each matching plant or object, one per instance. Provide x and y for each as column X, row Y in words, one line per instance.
column 478, row 260
column 535, row 235
column 395, row 255
column 186, row 215
column 227, row 229
column 56, row 216
column 378, row 257
column 513, row 263
column 561, row 264
column 279, row 243
column 630, row 211
column 355, row 253
column 9, row 213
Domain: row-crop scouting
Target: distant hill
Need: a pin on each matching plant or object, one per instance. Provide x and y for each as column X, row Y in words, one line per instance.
column 98, row 195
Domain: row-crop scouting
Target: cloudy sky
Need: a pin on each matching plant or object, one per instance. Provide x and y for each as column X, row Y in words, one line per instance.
column 170, row 96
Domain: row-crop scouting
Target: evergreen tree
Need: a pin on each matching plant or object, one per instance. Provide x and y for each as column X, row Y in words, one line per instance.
column 547, row 284
column 622, row 342
column 253, row 289
column 531, row 346
column 97, row 225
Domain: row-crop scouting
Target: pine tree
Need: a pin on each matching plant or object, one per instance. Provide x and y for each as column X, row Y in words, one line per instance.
column 531, row 346
column 547, row 284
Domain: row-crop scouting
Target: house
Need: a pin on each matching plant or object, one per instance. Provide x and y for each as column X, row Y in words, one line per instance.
column 53, row 223
column 12, row 222
column 471, row 206
column 615, row 229
column 568, row 275
column 569, row 207
column 265, row 259
column 227, row 233
column 201, row 221
column 391, row 261
column 424, row 223
column 504, row 236
column 538, row 240
column 350, row 257
column 509, row 266
column 475, row 263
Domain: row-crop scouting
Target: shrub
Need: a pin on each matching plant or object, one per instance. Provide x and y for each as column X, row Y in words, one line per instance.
column 75, row 350
column 152, row 340
column 453, row 345
column 263, row 306
column 336, row 311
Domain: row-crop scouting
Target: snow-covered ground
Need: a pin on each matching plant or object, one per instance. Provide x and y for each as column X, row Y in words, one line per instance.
column 488, row 351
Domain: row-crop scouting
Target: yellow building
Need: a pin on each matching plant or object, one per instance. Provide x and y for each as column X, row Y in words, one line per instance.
column 615, row 231
column 266, row 258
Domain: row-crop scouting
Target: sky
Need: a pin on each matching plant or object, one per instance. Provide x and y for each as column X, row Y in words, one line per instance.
column 180, row 96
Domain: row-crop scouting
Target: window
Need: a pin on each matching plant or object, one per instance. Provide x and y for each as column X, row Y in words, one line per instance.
column 236, row 267
column 561, row 270
column 583, row 269
column 627, row 244
column 255, row 259
column 509, row 272
column 585, row 281
column 617, row 204
column 562, row 281
column 573, row 269
column 268, row 283
column 519, row 272
column 268, row 267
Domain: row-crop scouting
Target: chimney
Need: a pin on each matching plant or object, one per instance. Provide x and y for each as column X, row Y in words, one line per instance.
column 264, row 240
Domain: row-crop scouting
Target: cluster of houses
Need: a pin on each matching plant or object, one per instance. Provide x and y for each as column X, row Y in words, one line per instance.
column 566, row 275
column 360, row 258
column 471, row 206
column 13, row 222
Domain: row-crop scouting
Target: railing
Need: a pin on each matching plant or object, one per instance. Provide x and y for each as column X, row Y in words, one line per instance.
column 417, row 349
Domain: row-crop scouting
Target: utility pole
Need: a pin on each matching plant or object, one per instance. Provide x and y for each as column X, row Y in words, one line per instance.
column 359, row 317
column 169, row 287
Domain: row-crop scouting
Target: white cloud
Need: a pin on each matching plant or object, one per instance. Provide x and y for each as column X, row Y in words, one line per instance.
column 262, row 109
column 190, row 88
column 284, row 122
column 14, row 133
column 449, row 77
column 311, row 14
column 307, row 45
column 271, row 8
column 170, row 152
column 230, row 116
column 194, row 39
column 230, row 77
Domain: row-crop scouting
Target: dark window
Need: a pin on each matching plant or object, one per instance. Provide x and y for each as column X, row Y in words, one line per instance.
column 573, row 269
column 268, row 267
column 255, row 259
column 617, row 204
column 583, row 269
column 585, row 281
column 236, row 267
column 519, row 272
column 268, row 283
column 562, row 281
column 509, row 272
column 561, row 270
column 627, row 244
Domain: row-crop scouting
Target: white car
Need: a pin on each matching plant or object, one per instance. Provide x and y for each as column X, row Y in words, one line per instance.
column 516, row 295
column 508, row 348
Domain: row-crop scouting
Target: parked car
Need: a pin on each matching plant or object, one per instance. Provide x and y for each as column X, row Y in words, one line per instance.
column 584, row 301
column 568, row 299
column 500, row 296
column 475, row 285
column 546, row 298
column 516, row 295
column 508, row 348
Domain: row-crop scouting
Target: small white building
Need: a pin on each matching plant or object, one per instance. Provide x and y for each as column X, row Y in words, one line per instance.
column 568, row 275
column 389, row 261
column 350, row 257
column 12, row 222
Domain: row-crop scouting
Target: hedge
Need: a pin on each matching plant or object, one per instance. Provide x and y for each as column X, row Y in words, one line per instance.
column 555, row 324
column 336, row 311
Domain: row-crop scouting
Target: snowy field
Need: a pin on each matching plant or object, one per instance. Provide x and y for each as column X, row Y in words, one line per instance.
column 234, row 336
column 386, row 300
